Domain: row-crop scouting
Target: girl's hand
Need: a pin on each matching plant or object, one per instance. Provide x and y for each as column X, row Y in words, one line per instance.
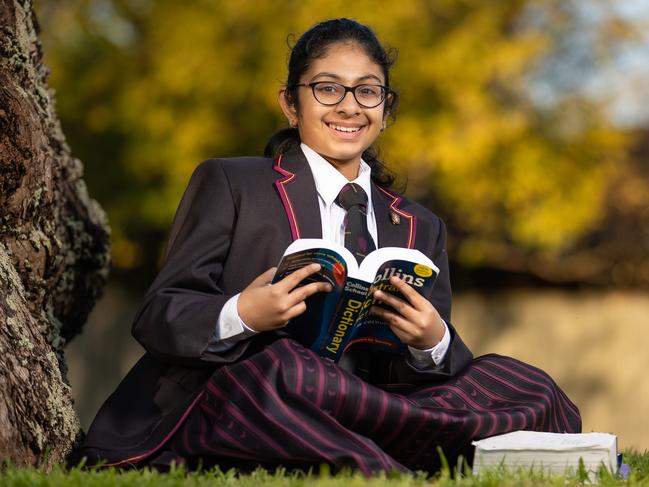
column 416, row 322
column 264, row 306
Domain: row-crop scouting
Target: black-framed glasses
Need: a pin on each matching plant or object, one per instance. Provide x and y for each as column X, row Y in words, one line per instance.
column 330, row 93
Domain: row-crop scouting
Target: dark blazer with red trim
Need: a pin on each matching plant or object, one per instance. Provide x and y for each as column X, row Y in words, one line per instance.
column 235, row 220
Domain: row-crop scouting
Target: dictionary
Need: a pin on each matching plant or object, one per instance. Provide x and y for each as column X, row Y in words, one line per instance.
column 333, row 322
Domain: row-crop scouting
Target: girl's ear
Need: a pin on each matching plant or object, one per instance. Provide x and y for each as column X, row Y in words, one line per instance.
column 387, row 110
column 389, row 105
column 288, row 108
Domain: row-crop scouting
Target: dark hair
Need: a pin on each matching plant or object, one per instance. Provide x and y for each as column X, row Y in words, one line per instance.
column 313, row 44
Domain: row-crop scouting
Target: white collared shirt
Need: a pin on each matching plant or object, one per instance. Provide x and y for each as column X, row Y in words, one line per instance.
column 230, row 328
column 328, row 183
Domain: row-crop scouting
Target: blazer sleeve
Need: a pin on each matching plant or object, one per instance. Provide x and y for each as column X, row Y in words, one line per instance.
column 181, row 308
column 458, row 355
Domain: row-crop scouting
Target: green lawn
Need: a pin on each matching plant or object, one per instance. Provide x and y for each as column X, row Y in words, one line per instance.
column 13, row 477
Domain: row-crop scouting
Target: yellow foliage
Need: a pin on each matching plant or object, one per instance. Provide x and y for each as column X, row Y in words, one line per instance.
column 199, row 79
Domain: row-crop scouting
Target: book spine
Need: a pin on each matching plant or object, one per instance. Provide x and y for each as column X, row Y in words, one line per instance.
column 343, row 321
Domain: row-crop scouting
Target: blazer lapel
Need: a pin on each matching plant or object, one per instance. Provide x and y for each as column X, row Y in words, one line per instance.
column 297, row 191
column 296, row 188
column 396, row 227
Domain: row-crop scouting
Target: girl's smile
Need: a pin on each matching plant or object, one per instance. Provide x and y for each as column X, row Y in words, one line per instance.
column 345, row 130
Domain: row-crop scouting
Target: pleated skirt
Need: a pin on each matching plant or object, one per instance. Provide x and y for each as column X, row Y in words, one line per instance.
column 285, row 406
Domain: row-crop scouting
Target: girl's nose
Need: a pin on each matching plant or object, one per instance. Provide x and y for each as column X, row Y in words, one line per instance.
column 348, row 104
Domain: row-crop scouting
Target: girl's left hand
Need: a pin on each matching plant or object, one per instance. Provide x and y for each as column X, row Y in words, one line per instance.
column 416, row 321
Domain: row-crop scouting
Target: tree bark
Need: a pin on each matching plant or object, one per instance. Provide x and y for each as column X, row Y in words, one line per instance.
column 54, row 247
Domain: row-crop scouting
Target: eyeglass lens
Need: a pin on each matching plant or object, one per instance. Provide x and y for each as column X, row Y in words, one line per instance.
column 367, row 96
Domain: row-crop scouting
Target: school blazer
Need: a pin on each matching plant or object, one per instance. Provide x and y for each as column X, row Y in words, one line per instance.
column 234, row 221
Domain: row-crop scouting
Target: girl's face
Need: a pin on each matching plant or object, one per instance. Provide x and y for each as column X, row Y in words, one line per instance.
column 339, row 133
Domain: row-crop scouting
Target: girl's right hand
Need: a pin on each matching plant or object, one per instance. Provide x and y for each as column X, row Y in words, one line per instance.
column 264, row 306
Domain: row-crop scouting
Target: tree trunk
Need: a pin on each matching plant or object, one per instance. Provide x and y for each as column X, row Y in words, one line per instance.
column 53, row 252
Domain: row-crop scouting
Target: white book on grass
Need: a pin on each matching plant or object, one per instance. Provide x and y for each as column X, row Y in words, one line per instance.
column 548, row 452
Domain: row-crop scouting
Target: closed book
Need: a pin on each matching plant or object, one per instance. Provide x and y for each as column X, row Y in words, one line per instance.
column 558, row 453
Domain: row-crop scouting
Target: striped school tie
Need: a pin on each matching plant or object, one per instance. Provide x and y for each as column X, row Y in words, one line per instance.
column 357, row 237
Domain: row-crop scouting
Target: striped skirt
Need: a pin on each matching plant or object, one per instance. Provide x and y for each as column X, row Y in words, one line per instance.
column 287, row 406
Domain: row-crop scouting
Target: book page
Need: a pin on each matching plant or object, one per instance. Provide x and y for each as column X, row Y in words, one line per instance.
column 528, row 440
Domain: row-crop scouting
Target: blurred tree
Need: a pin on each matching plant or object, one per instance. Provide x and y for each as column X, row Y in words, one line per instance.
column 148, row 89
column 53, row 253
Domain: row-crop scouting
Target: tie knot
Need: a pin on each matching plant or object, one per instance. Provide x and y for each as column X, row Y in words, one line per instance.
column 352, row 195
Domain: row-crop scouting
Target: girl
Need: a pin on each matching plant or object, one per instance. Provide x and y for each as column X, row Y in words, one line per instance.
column 222, row 383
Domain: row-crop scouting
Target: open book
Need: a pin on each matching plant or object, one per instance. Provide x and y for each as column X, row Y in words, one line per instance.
column 548, row 452
column 338, row 320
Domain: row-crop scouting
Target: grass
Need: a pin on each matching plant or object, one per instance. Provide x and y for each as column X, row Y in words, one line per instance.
column 178, row 477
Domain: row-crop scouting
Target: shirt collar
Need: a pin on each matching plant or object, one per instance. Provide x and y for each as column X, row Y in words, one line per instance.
column 329, row 182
